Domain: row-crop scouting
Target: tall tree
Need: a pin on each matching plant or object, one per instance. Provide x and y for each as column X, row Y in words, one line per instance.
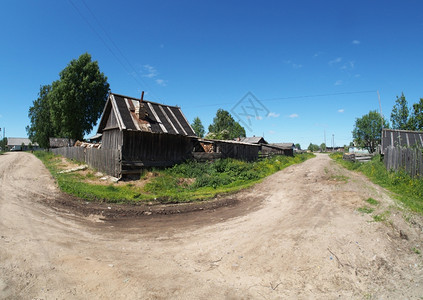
column 400, row 114
column 298, row 146
column 368, row 130
column 41, row 128
column 416, row 119
column 225, row 127
column 198, row 127
column 77, row 99
column 323, row 147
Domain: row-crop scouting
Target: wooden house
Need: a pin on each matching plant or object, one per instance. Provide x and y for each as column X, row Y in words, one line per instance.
column 145, row 132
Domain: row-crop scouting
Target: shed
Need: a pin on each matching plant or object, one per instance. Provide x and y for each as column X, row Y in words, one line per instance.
column 279, row 148
column 404, row 138
column 146, row 133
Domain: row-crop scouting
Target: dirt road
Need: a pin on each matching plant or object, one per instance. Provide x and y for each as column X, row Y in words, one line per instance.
column 298, row 234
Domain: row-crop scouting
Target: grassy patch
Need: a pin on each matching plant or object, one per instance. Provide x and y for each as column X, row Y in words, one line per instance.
column 372, row 201
column 365, row 209
column 406, row 189
column 381, row 217
column 341, row 178
column 187, row 182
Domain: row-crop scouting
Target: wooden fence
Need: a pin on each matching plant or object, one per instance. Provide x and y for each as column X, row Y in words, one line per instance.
column 103, row 160
column 408, row 159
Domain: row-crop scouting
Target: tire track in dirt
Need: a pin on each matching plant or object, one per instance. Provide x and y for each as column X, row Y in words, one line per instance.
column 296, row 234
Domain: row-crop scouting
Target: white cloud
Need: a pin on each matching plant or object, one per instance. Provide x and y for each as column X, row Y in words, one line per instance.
column 271, row 132
column 150, row 71
column 338, row 82
column 161, row 82
column 357, row 75
column 259, row 118
column 292, row 116
column 356, row 42
column 273, row 115
column 293, row 65
column 341, row 110
column 335, row 61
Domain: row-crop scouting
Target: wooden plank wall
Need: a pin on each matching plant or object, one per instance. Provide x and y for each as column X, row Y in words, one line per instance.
column 156, row 147
column 237, row 151
column 408, row 159
column 104, row 160
column 112, row 139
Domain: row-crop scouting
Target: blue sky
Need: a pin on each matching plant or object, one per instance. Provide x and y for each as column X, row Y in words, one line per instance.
column 312, row 67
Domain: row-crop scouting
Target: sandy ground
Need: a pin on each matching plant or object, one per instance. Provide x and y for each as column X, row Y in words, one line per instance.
column 297, row 234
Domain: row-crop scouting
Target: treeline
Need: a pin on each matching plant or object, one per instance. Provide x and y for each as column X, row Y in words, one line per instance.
column 407, row 118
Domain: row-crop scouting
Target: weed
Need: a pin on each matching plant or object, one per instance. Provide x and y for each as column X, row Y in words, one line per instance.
column 365, row 210
column 372, row 201
column 415, row 250
column 381, row 217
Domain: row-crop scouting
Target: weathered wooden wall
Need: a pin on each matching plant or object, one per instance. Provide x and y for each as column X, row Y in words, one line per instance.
column 273, row 150
column 241, row 151
column 104, row 160
column 408, row 159
column 112, row 139
column 156, row 148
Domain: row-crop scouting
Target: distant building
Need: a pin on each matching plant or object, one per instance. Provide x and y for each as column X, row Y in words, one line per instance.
column 21, row 144
column 253, row 140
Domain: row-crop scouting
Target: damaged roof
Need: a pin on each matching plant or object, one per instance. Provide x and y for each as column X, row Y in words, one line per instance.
column 127, row 113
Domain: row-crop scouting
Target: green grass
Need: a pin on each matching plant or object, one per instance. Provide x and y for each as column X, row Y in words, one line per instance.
column 415, row 250
column 407, row 190
column 366, row 209
column 372, row 201
column 381, row 217
column 187, row 182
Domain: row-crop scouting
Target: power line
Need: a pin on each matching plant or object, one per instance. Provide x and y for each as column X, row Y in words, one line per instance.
column 132, row 72
column 294, row 97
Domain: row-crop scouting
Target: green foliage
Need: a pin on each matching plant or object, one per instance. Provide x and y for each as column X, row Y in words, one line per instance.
column 39, row 114
column 400, row 114
column 368, row 130
column 71, row 106
column 372, row 201
column 190, row 181
column 406, row 189
column 416, row 250
column 416, row 119
column 323, row 147
column 198, row 127
column 224, row 127
column 3, row 144
column 298, row 146
column 313, row 147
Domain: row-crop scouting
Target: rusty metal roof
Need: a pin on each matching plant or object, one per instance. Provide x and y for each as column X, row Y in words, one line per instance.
column 129, row 113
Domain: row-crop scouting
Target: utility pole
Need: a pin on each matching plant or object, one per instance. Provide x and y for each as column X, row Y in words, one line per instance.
column 333, row 142
column 325, row 136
